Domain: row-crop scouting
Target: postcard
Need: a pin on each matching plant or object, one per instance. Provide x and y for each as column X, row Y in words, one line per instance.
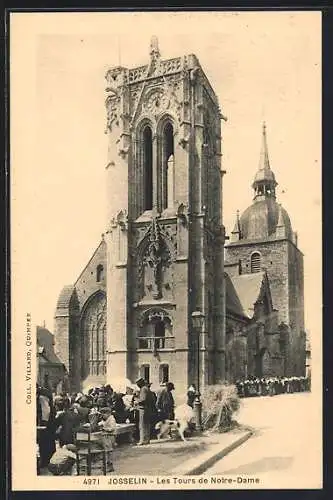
column 166, row 250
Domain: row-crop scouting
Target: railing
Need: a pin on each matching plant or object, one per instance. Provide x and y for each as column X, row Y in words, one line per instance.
column 155, row 343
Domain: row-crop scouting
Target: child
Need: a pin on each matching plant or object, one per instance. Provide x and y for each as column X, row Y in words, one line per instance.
column 108, row 424
column 108, row 442
column 62, row 461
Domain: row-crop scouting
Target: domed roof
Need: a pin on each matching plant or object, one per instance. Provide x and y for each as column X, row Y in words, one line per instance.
column 261, row 219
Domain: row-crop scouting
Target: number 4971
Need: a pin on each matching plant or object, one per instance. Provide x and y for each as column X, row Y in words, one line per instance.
column 91, row 481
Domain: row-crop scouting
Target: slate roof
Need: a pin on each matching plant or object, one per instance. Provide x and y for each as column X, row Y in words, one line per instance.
column 244, row 292
column 65, row 297
column 233, row 304
column 45, row 343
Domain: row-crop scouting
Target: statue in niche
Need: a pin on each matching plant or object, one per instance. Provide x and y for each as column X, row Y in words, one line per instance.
column 156, row 257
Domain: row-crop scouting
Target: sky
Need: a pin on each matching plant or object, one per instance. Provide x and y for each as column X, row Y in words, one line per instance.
column 263, row 66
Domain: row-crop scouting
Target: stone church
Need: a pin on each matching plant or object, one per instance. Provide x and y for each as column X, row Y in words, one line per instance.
column 162, row 263
column 264, row 276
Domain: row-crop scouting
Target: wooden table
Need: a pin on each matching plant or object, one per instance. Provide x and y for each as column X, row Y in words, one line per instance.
column 123, row 429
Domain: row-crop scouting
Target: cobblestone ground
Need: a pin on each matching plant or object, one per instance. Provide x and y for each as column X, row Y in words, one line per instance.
column 285, row 450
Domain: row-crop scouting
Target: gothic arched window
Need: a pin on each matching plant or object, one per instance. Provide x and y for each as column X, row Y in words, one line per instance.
column 148, row 168
column 168, row 167
column 255, row 262
column 94, row 336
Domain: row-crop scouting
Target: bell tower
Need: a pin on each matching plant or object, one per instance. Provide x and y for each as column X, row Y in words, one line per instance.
column 165, row 232
column 263, row 240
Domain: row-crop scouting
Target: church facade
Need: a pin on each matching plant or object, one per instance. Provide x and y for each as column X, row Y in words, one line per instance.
column 161, row 263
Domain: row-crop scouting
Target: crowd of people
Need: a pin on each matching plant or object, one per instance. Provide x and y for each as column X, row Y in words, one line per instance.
column 60, row 416
column 271, row 386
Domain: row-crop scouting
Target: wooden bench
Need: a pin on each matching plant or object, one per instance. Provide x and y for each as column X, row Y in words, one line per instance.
column 92, row 453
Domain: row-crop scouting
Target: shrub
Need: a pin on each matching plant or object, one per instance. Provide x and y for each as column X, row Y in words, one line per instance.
column 219, row 403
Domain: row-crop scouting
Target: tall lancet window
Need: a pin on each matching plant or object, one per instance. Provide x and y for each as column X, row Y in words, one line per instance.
column 168, row 173
column 148, row 168
column 93, row 325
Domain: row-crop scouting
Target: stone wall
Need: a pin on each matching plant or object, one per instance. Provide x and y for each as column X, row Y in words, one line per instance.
column 274, row 258
column 86, row 284
column 68, row 335
column 284, row 265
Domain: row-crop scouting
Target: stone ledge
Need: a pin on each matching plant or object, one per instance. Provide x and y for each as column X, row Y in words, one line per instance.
column 201, row 463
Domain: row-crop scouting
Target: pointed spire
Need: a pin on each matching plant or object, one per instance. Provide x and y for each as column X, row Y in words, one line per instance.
column 264, row 182
column 154, row 50
column 154, row 233
column 264, row 158
column 236, row 232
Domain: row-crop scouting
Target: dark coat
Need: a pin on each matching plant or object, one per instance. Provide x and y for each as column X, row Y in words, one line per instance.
column 145, row 401
column 118, row 408
column 67, row 422
column 190, row 398
column 45, row 437
column 165, row 404
column 83, row 414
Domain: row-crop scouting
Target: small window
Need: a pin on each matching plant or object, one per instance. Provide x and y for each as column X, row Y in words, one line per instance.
column 255, row 262
column 164, row 374
column 99, row 273
column 145, row 372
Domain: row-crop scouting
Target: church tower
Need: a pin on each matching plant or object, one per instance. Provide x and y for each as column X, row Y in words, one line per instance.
column 165, row 236
column 263, row 239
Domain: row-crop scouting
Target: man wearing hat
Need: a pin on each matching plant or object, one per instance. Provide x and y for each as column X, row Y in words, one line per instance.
column 145, row 411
